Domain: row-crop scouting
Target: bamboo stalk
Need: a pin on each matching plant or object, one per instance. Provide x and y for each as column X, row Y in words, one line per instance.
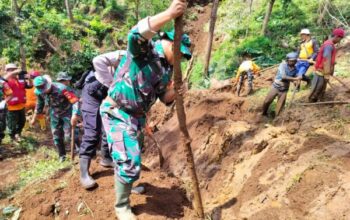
column 181, row 115
column 268, row 68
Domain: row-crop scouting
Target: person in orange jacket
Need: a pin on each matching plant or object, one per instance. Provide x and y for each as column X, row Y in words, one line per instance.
column 31, row 100
column 31, row 97
column 16, row 117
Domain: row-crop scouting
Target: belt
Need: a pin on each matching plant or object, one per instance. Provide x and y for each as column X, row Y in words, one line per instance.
column 116, row 105
column 91, row 79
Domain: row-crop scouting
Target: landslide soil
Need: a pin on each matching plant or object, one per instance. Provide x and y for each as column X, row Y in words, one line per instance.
column 249, row 167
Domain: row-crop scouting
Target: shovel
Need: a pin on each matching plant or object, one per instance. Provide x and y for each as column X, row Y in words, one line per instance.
column 72, row 143
column 341, row 82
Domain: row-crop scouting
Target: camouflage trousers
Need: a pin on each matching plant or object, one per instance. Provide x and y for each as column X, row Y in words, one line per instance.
column 125, row 140
column 60, row 128
column 2, row 123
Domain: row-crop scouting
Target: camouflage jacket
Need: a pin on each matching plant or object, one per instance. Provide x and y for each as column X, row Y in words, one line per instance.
column 142, row 75
column 60, row 100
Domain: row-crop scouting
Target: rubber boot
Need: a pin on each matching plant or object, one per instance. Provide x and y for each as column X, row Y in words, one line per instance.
column 106, row 159
column 86, row 180
column 106, row 162
column 122, row 206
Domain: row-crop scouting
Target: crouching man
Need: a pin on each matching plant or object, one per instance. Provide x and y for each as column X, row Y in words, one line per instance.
column 286, row 73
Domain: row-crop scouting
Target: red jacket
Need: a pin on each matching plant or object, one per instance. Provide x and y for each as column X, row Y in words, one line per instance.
column 18, row 91
column 320, row 59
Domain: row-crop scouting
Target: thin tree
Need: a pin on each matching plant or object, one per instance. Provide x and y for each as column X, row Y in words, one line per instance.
column 137, row 6
column 69, row 11
column 267, row 16
column 211, row 35
column 181, row 115
column 22, row 52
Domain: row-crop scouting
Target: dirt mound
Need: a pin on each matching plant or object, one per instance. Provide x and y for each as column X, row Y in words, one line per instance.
column 251, row 167
column 296, row 166
column 62, row 196
column 200, row 16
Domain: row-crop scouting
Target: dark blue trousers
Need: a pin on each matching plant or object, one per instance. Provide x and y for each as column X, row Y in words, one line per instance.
column 94, row 133
column 2, row 123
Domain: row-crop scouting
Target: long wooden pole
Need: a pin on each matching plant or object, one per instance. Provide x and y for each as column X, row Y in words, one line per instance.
column 325, row 103
column 181, row 115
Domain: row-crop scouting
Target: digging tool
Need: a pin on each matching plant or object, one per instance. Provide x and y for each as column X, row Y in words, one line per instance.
column 268, row 68
column 330, row 84
column 341, row 82
column 72, row 143
column 149, row 133
column 325, row 103
column 161, row 158
column 188, row 70
column 181, row 116
column 293, row 95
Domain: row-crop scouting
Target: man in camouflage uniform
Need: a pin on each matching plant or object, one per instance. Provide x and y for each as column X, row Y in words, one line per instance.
column 60, row 100
column 65, row 79
column 142, row 76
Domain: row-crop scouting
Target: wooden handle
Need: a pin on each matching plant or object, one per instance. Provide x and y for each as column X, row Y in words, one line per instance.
column 72, row 143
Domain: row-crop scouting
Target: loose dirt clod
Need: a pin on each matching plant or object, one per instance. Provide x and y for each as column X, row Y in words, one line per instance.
column 47, row 209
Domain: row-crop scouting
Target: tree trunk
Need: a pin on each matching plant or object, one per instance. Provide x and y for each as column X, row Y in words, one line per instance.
column 137, row 5
column 181, row 115
column 322, row 11
column 22, row 51
column 250, row 6
column 267, row 17
column 211, row 35
column 69, row 11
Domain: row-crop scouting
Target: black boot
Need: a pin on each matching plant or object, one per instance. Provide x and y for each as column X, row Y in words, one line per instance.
column 86, row 180
column 106, row 162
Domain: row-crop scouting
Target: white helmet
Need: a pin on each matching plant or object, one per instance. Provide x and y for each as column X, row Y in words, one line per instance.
column 305, row 31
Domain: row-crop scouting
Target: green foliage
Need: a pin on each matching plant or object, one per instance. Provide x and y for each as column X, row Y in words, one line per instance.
column 196, row 79
column 29, row 144
column 99, row 26
column 240, row 28
column 261, row 49
column 224, row 61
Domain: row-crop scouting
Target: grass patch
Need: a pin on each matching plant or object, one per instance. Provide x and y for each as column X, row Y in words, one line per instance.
column 38, row 170
column 28, row 144
column 9, row 191
column 295, row 180
column 256, row 99
column 196, row 79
